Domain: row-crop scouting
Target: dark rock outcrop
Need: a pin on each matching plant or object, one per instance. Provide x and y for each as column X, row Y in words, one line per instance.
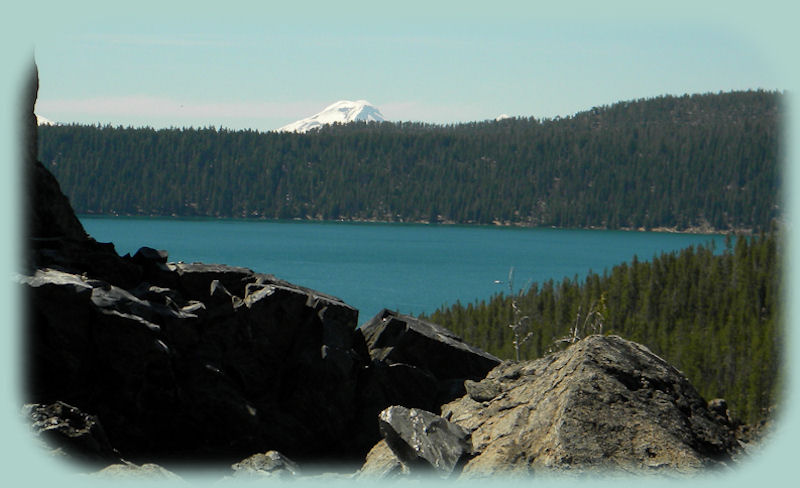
column 276, row 369
column 604, row 403
column 418, row 363
column 181, row 368
column 402, row 339
column 414, row 364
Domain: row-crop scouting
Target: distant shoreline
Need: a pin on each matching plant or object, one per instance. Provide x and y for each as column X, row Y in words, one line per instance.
column 703, row 229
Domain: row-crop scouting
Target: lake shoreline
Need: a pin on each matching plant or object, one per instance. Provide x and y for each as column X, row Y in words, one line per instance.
column 694, row 230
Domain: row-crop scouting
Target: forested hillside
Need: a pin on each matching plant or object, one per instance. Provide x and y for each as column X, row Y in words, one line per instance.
column 674, row 162
column 714, row 315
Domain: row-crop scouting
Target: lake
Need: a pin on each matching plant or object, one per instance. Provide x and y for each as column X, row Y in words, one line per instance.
column 411, row 268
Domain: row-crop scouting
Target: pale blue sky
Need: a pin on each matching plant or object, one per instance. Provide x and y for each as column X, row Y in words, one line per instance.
column 245, row 65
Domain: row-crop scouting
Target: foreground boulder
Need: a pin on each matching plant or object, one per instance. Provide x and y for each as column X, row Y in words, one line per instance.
column 604, row 403
column 423, row 441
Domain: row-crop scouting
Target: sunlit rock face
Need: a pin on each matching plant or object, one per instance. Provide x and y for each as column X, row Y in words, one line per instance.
column 605, row 403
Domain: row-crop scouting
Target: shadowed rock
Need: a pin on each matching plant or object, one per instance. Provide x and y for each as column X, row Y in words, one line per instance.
column 414, row 363
column 397, row 338
column 424, row 364
column 279, row 370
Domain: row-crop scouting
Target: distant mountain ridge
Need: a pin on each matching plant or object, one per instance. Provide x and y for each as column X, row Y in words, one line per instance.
column 699, row 162
column 343, row 111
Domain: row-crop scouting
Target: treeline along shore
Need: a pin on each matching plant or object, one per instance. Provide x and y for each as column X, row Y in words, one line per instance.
column 706, row 162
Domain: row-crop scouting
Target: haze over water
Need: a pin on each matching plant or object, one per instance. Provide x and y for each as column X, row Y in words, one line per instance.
column 411, row 268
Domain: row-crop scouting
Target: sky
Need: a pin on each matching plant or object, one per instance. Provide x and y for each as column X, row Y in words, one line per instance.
column 257, row 66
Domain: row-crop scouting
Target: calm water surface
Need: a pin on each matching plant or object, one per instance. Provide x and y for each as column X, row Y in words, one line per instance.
column 406, row 267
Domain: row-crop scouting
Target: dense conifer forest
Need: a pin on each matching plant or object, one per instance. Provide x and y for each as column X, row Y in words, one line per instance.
column 678, row 162
column 714, row 314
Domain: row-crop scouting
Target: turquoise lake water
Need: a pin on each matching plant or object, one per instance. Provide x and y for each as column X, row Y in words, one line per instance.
column 411, row 268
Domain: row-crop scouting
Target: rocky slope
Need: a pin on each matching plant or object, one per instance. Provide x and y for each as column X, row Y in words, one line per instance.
column 215, row 363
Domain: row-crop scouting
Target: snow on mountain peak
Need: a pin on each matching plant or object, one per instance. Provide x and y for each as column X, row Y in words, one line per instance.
column 43, row 121
column 343, row 111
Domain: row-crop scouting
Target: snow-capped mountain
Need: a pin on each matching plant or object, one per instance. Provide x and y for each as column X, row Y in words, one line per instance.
column 342, row 111
column 43, row 121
